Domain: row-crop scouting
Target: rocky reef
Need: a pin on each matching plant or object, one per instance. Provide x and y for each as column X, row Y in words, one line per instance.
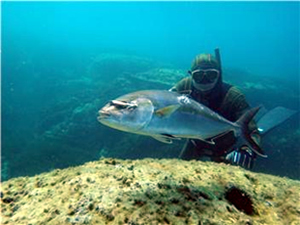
column 149, row 191
column 40, row 130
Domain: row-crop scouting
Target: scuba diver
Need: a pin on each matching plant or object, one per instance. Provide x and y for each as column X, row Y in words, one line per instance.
column 205, row 85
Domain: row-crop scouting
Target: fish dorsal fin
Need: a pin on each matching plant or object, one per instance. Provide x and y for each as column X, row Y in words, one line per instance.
column 166, row 111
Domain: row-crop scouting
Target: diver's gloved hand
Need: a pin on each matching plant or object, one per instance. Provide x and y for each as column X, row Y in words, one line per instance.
column 243, row 157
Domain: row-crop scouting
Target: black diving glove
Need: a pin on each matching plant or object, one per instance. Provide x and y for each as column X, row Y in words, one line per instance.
column 243, row 157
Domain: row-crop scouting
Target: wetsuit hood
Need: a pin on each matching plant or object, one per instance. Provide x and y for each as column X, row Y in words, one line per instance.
column 214, row 95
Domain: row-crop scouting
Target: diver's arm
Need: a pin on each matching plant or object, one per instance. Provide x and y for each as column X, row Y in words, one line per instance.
column 183, row 86
column 173, row 89
column 178, row 86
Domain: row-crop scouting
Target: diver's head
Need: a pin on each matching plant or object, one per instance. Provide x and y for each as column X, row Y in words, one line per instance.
column 205, row 72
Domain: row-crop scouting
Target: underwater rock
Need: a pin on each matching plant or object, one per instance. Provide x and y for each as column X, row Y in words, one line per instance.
column 108, row 65
column 166, row 76
column 149, row 191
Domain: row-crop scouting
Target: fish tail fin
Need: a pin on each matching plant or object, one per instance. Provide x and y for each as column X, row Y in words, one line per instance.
column 246, row 139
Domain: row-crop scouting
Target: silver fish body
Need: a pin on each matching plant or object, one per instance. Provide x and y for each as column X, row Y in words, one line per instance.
column 167, row 115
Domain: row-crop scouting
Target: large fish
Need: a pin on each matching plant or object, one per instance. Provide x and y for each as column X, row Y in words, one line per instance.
column 166, row 115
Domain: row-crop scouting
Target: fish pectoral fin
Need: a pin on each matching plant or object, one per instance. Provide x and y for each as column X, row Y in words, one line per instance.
column 165, row 138
column 166, row 111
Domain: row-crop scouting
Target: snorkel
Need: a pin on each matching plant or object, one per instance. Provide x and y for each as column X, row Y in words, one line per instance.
column 218, row 58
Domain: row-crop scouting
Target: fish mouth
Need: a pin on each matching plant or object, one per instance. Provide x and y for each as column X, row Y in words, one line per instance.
column 103, row 115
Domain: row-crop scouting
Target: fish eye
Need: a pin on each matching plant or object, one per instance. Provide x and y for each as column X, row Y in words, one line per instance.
column 120, row 106
column 131, row 107
column 123, row 105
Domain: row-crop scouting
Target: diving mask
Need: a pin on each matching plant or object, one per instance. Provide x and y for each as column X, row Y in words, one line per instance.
column 207, row 76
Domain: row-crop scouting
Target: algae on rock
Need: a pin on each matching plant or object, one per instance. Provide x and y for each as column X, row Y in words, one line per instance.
column 149, row 191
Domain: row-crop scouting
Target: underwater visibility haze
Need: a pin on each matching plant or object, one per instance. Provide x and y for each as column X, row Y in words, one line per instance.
column 63, row 61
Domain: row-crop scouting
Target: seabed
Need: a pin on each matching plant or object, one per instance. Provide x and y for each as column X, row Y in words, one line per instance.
column 150, row 191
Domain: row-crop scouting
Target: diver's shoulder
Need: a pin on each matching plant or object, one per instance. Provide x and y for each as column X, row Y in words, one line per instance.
column 184, row 84
column 234, row 90
column 233, row 95
column 184, row 80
